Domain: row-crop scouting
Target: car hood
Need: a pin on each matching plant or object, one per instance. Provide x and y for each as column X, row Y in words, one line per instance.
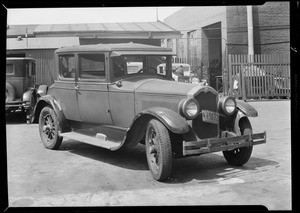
column 159, row 86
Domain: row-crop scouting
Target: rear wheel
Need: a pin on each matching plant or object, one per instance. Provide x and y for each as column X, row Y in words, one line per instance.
column 158, row 150
column 240, row 156
column 48, row 127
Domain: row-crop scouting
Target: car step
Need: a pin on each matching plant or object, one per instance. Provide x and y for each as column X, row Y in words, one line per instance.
column 100, row 140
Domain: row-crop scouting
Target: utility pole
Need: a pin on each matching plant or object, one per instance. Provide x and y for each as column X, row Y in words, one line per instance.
column 250, row 30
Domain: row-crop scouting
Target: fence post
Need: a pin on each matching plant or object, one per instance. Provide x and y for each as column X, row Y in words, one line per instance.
column 243, row 84
column 229, row 75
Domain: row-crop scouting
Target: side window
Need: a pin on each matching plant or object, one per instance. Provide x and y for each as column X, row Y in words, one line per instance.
column 92, row 66
column 10, row 69
column 67, row 66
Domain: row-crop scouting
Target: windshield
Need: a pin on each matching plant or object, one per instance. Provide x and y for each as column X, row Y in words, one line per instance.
column 142, row 65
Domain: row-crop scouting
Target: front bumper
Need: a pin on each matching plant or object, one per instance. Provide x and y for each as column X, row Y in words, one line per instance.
column 17, row 104
column 222, row 144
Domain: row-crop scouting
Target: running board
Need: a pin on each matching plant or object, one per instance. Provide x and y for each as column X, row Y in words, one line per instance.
column 100, row 140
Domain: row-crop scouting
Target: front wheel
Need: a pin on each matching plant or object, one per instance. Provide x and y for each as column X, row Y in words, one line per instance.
column 240, row 156
column 48, row 127
column 158, row 150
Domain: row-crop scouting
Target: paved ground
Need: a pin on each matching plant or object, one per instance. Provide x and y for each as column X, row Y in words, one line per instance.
column 83, row 175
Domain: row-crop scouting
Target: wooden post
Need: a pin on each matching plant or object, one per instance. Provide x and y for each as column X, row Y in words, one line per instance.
column 243, row 84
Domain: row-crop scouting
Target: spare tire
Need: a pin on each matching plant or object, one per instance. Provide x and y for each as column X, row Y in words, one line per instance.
column 10, row 93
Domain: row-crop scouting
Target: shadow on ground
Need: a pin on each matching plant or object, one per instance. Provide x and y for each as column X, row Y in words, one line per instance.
column 15, row 118
column 204, row 168
column 134, row 158
column 210, row 167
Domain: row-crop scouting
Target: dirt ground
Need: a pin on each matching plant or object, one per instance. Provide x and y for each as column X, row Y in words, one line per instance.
column 79, row 174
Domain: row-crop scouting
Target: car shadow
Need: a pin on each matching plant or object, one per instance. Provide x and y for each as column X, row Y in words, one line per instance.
column 134, row 158
column 213, row 167
column 204, row 168
column 15, row 118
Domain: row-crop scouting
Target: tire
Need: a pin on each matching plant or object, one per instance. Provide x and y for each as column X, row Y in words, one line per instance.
column 10, row 93
column 48, row 127
column 240, row 156
column 158, row 150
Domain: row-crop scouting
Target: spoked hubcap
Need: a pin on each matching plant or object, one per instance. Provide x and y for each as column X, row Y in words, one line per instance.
column 236, row 151
column 49, row 128
column 153, row 150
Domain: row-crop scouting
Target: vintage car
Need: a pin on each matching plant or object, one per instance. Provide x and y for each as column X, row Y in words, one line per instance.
column 21, row 90
column 94, row 99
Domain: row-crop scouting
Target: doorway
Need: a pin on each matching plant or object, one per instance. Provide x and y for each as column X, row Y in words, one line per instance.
column 213, row 40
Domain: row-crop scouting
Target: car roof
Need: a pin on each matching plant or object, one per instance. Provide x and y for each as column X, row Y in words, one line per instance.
column 118, row 48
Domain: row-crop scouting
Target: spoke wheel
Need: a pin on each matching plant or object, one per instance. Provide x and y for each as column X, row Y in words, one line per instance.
column 240, row 156
column 48, row 127
column 158, row 150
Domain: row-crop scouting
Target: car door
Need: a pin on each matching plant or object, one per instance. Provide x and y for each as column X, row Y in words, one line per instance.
column 92, row 89
column 64, row 90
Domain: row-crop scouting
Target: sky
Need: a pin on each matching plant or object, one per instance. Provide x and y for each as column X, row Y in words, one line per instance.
column 87, row 15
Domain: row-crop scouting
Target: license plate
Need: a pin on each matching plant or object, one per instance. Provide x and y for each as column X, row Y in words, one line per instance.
column 210, row 117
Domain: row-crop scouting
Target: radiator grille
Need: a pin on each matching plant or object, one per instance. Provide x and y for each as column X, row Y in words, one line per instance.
column 207, row 101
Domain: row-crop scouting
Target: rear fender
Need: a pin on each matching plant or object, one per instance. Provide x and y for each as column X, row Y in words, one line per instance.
column 172, row 120
column 49, row 100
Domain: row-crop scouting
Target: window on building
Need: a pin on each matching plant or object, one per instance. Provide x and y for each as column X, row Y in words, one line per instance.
column 192, row 44
column 180, row 46
column 169, row 43
column 92, row 66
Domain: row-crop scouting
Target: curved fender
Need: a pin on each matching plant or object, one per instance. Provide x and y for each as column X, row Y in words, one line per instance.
column 27, row 96
column 238, row 117
column 49, row 100
column 42, row 90
column 172, row 120
column 246, row 108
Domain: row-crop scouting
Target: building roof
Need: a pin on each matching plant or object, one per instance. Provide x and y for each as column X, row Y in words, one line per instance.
column 119, row 49
column 54, row 29
column 40, row 43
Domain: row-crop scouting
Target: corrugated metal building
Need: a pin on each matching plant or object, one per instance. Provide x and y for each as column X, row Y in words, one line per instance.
column 40, row 41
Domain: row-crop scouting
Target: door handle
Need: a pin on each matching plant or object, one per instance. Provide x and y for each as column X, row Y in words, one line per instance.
column 76, row 87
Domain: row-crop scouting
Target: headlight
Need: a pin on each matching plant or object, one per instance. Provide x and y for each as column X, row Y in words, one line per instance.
column 227, row 105
column 189, row 108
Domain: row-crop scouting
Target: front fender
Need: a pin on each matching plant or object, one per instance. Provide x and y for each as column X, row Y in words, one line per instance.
column 28, row 95
column 246, row 108
column 49, row 100
column 238, row 117
column 172, row 120
column 42, row 90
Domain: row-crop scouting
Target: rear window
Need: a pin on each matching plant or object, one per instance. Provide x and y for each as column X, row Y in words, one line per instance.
column 10, row 69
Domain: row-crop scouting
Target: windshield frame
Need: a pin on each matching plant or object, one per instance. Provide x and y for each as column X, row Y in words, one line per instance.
column 168, row 68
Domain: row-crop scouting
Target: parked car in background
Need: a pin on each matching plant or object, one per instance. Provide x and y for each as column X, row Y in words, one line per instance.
column 22, row 92
column 271, row 80
column 186, row 68
column 108, row 103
